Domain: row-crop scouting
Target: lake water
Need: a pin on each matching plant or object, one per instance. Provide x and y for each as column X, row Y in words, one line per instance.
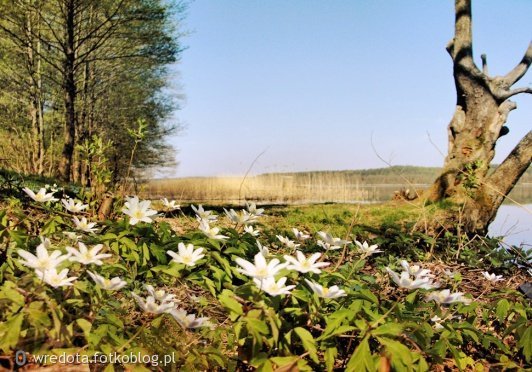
column 515, row 224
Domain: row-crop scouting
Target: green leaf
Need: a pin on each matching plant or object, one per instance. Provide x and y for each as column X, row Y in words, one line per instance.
column 85, row 326
column 388, row 329
column 400, row 355
column 366, row 295
column 10, row 332
column 330, row 358
column 257, row 326
column 283, row 361
column 361, row 360
column 233, row 306
column 502, row 309
column 338, row 330
column 308, row 342
column 525, row 343
column 9, row 293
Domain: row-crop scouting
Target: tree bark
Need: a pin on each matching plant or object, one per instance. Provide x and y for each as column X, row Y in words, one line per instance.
column 482, row 108
column 70, row 93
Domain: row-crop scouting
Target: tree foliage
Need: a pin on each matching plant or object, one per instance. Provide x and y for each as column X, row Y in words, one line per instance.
column 77, row 73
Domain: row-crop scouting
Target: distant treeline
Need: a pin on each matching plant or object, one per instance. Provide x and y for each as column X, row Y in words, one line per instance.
column 398, row 174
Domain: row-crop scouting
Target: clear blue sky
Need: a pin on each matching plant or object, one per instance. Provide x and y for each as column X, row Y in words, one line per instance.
column 312, row 81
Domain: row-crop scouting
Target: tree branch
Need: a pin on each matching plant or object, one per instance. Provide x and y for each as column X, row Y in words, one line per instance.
column 520, row 70
column 484, row 64
column 463, row 35
column 516, row 91
column 516, row 163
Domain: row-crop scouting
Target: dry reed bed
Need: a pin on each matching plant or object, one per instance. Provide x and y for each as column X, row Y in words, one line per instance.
column 271, row 189
column 295, row 188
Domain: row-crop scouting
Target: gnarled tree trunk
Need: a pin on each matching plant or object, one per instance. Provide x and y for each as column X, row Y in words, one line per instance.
column 482, row 108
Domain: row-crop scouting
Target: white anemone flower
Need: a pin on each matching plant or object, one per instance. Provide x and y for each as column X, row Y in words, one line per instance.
column 211, row 232
column 112, row 284
column 416, row 270
column 202, row 214
column 41, row 196
column 300, row 235
column 305, row 265
column 72, row 235
column 84, row 225
column 87, row 257
column 252, row 209
column 329, row 242
column 290, row 244
column 405, row 281
column 437, row 322
column 149, row 305
column 160, row 295
column 251, row 231
column 170, row 205
column 366, row 249
column 55, row 279
column 492, row 277
column 263, row 250
column 260, row 269
column 273, row 288
column 138, row 211
column 42, row 260
column 242, row 218
column 321, row 291
column 186, row 255
column 446, row 297
column 188, row 320
column 73, row 206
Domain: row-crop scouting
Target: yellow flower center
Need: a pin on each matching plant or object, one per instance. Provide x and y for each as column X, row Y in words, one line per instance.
column 263, row 272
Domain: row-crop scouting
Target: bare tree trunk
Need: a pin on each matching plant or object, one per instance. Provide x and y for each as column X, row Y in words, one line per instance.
column 70, row 93
column 482, row 109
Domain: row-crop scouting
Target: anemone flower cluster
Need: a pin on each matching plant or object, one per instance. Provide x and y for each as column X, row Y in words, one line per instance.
column 159, row 302
column 74, row 206
column 446, row 297
column 263, row 273
column 203, row 215
column 413, row 277
column 46, row 265
column 290, row 244
column 170, row 205
column 241, row 218
column 328, row 242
